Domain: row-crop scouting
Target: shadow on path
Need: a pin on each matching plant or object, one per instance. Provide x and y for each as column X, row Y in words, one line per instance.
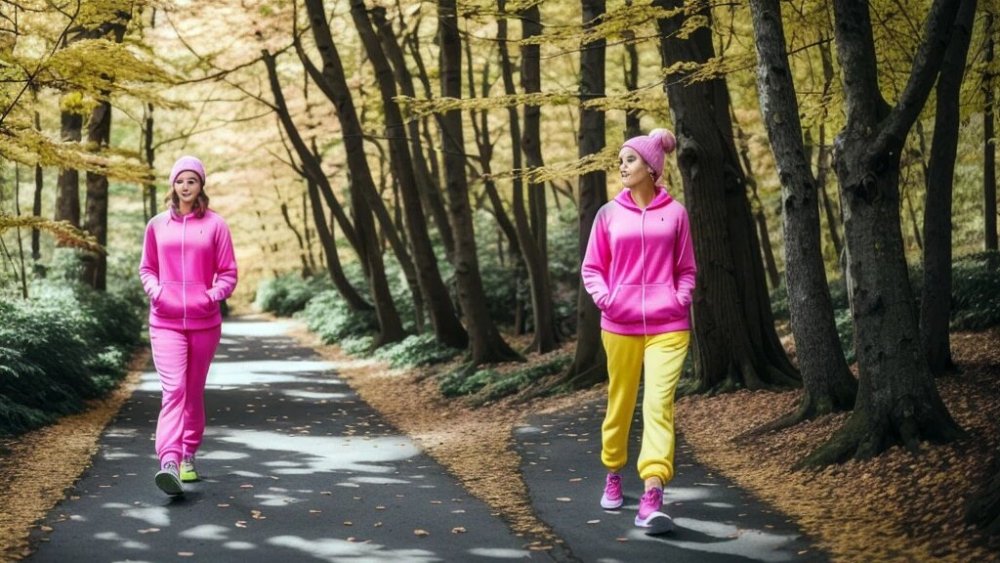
column 714, row 520
column 295, row 467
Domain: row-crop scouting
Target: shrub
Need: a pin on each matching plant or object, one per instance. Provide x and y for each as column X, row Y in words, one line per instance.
column 328, row 316
column 416, row 350
column 289, row 293
column 490, row 385
column 976, row 291
column 63, row 346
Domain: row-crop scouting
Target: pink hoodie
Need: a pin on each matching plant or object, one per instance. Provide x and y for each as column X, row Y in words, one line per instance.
column 639, row 266
column 187, row 267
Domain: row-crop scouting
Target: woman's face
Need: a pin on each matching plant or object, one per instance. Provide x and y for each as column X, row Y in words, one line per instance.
column 633, row 168
column 187, row 186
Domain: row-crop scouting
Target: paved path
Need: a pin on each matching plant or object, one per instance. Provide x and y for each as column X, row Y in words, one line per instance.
column 714, row 520
column 296, row 467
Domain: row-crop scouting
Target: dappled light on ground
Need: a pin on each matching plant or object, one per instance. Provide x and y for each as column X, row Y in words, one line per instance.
column 294, row 466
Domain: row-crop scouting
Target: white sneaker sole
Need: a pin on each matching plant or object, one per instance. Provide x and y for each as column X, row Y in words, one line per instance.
column 169, row 483
column 608, row 504
column 655, row 524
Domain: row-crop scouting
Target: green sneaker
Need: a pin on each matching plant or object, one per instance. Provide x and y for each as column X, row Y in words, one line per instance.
column 188, row 472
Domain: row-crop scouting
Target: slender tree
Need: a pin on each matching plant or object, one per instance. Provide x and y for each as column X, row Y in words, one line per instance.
column 351, row 296
column 447, row 328
column 590, row 362
column 427, row 183
column 486, row 344
column 735, row 340
column 897, row 401
column 366, row 238
column 534, row 258
column 935, row 303
column 829, row 386
column 989, row 135
column 95, row 265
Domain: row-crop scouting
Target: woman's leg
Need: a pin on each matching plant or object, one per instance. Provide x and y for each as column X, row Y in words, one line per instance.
column 624, row 367
column 170, row 356
column 203, row 344
column 664, row 360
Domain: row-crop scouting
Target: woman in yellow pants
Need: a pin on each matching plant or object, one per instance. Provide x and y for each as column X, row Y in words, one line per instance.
column 640, row 270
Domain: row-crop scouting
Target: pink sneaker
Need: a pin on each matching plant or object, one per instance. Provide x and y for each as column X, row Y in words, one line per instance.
column 650, row 515
column 612, row 498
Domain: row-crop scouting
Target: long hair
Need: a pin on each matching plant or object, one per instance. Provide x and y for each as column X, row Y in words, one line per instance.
column 198, row 208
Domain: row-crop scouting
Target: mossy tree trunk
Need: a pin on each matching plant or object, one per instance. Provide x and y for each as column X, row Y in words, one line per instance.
column 898, row 402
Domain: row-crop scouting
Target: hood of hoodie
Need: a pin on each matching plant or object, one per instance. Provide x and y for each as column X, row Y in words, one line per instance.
column 624, row 198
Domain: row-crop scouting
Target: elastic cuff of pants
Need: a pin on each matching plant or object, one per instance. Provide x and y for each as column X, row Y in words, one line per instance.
column 171, row 457
column 663, row 476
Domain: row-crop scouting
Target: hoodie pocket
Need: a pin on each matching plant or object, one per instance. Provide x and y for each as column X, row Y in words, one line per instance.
column 184, row 299
column 662, row 304
column 626, row 304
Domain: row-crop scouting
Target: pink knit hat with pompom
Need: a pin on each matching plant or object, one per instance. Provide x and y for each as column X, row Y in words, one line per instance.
column 652, row 147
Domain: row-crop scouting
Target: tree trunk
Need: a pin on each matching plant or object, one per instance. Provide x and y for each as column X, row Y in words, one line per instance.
column 829, row 386
column 68, row 184
column 631, row 70
column 351, row 296
column 487, row 346
column 757, row 207
column 95, row 265
column 427, row 184
column 735, row 341
column 538, row 280
column 149, row 196
column 897, row 399
column 590, row 364
column 983, row 508
column 390, row 325
column 935, row 303
column 989, row 138
column 36, row 203
column 306, row 271
column 447, row 328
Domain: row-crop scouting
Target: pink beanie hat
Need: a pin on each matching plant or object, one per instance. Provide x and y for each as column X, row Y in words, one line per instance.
column 652, row 147
column 187, row 164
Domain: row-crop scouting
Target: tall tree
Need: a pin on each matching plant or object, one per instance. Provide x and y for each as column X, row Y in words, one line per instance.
column 590, row 362
column 532, row 252
column 486, row 344
column 447, row 328
column 426, row 179
column 366, row 237
column 735, row 340
column 935, row 303
column 95, row 265
column 897, row 401
column 829, row 386
column 989, row 135
column 68, row 182
column 351, row 296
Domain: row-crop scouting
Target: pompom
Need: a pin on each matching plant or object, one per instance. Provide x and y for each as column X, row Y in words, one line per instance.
column 667, row 139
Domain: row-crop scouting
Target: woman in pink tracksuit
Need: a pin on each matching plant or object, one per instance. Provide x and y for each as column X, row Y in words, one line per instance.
column 640, row 270
column 187, row 268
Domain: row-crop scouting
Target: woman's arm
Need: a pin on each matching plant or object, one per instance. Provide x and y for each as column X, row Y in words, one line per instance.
column 685, row 268
column 225, row 264
column 149, row 266
column 596, row 260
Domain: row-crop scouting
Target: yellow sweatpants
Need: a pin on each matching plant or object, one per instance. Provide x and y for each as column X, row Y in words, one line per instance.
column 662, row 355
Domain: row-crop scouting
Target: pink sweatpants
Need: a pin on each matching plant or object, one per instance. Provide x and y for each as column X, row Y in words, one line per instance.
column 182, row 359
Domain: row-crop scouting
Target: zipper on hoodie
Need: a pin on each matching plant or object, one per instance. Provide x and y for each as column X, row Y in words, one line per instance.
column 642, row 244
column 184, row 305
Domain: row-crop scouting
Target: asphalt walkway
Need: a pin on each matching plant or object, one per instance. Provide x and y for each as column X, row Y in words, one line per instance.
column 296, row 467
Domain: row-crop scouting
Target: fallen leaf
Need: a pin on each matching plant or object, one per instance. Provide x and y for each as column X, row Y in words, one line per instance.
column 458, row 530
column 421, row 533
